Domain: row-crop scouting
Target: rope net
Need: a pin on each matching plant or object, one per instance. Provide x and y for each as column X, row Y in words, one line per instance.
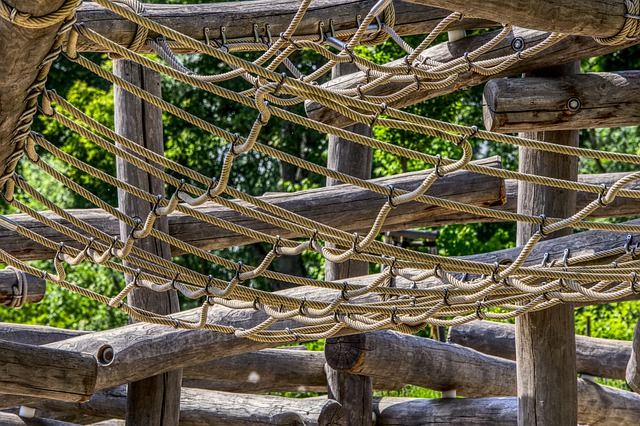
column 414, row 288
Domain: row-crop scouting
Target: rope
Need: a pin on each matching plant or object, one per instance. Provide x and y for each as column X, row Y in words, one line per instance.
column 414, row 289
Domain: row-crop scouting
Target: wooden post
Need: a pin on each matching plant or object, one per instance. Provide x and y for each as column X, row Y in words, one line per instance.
column 354, row 392
column 155, row 400
column 633, row 367
column 545, row 340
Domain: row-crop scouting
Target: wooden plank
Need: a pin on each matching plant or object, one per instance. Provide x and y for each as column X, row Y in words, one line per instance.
column 570, row 49
column 345, row 207
column 9, row 419
column 390, row 355
column 154, row 400
column 22, row 51
column 238, row 19
column 633, row 368
column 46, row 373
column 595, row 357
column 202, row 407
column 592, row 18
column 18, row 288
column 545, row 340
column 580, row 101
column 353, row 392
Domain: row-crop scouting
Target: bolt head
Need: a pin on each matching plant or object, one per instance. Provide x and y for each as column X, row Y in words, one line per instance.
column 517, row 44
column 573, row 104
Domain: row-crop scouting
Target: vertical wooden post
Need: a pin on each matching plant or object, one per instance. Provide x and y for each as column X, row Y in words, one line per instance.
column 354, row 392
column 545, row 341
column 155, row 400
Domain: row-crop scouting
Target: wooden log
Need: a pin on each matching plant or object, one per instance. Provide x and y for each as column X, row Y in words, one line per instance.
column 9, row 419
column 596, row 357
column 570, row 49
column 388, row 354
column 238, row 19
column 633, row 368
column 154, row 400
column 591, row 18
column 202, row 407
column 344, row 206
column 580, row 101
column 45, row 372
column 35, row 334
column 22, row 51
column 18, row 288
column 353, row 392
column 394, row 411
column 545, row 340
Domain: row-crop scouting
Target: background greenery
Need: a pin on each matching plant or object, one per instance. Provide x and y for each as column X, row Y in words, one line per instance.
column 257, row 174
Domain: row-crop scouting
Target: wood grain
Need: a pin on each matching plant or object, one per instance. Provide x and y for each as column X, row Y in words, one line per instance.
column 570, row 49
column 596, row 357
column 153, row 400
column 536, row 103
column 633, row 368
column 36, row 286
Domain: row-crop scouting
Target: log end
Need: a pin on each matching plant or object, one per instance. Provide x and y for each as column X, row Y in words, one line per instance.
column 489, row 107
column 333, row 414
column 346, row 353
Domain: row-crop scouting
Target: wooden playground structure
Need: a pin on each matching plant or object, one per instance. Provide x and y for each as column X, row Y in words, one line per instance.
column 214, row 364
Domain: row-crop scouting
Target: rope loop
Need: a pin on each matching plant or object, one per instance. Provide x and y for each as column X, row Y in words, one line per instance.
column 276, row 246
column 390, row 197
column 634, row 282
column 543, row 219
column 438, row 163
column 137, row 273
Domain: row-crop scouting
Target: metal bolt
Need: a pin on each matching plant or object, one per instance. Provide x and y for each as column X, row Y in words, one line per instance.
column 105, row 355
column 517, row 44
column 573, row 104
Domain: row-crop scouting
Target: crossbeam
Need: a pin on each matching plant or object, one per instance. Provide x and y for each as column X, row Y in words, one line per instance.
column 569, row 49
column 580, row 101
column 237, row 19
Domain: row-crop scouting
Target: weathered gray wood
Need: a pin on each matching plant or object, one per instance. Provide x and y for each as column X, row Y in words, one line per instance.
column 238, row 19
column 595, row 357
column 391, row 355
column 569, row 49
column 202, row 407
column 394, row 411
column 589, row 17
column 346, row 207
column 9, row 419
column 35, row 334
column 22, row 51
column 154, row 400
column 545, row 340
column 578, row 101
column 46, row 373
column 633, row 368
column 353, row 392
column 33, row 288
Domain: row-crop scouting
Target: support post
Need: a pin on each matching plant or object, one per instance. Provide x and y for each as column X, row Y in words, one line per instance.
column 545, row 340
column 633, row 367
column 154, row 400
column 354, row 392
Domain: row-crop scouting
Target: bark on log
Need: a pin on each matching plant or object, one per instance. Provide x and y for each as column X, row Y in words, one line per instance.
column 201, row 407
column 633, row 368
column 387, row 354
column 595, row 357
column 580, row 101
column 9, row 419
column 22, row 51
column 346, row 207
column 46, row 373
column 238, row 19
column 153, row 400
column 20, row 287
column 569, row 49
column 591, row 18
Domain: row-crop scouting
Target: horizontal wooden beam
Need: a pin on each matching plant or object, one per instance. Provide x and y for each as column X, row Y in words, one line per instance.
column 595, row 357
column 570, row 49
column 238, row 19
column 343, row 206
column 204, row 407
column 10, row 419
column 45, row 372
column 18, row 288
column 579, row 101
column 389, row 354
column 592, row 18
